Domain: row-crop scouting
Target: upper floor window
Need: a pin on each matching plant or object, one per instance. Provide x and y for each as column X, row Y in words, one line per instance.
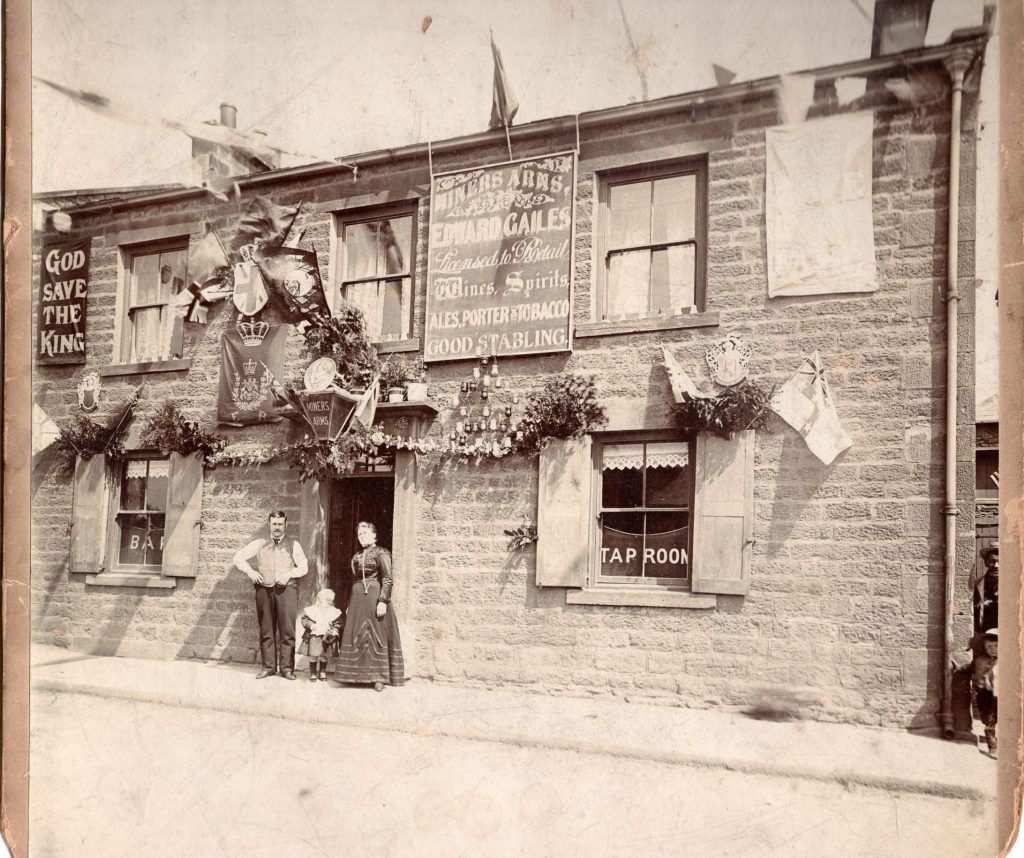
column 376, row 271
column 153, row 277
column 654, row 241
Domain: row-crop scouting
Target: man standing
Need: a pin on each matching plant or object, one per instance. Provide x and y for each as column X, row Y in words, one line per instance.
column 986, row 592
column 280, row 561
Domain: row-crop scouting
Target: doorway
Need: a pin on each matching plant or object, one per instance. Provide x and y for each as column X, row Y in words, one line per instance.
column 360, row 497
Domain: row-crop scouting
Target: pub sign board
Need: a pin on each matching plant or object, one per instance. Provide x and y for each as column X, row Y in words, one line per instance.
column 499, row 264
column 64, row 286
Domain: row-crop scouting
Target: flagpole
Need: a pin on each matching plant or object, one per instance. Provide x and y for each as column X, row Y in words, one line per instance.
column 508, row 140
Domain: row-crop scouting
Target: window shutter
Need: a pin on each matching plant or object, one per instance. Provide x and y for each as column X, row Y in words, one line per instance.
column 564, row 513
column 723, row 513
column 89, row 515
column 182, row 522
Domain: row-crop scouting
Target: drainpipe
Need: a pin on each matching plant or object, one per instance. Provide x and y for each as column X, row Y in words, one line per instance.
column 956, row 65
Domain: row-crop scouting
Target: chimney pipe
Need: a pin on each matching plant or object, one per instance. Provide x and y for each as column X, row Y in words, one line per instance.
column 228, row 115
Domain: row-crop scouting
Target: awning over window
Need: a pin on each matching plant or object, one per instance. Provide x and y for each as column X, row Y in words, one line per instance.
column 620, row 457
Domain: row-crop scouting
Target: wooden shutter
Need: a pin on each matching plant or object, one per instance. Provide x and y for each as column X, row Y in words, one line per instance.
column 723, row 513
column 89, row 515
column 564, row 516
column 182, row 521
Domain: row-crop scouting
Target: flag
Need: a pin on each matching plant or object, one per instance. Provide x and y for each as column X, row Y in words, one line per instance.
column 207, row 261
column 366, row 408
column 44, row 430
column 250, row 289
column 251, row 362
column 805, row 402
column 683, row 387
column 504, row 104
column 723, row 76
column 120, row 418
column 266, row 222
column 222, row 135
column 294, row 277
column 849, row 89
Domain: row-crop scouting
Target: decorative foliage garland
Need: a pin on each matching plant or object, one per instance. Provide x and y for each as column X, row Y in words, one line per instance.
column 566, row 407
column 743, row 406
column 314, row 459
column 169, row 431
column 242, row 455
column 343, row 337
column 86, row 438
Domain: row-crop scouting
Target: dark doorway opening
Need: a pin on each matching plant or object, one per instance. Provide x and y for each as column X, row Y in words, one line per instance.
column 361, row 497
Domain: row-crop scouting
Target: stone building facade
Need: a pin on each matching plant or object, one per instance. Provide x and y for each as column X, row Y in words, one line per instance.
column 841, row 597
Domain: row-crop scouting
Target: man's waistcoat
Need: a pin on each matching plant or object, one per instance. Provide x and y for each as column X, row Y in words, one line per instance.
column 274, row 562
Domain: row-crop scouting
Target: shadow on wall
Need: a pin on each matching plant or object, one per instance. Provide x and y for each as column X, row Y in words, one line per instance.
column 226, row 627
column 794, row 459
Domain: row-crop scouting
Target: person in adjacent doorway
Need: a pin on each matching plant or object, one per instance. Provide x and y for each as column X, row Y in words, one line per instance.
column 279, row 563
column 371, row 650
column 322, row 622
column 984, row 694
column 986, row 592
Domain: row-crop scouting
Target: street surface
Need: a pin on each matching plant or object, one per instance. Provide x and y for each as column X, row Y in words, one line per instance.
column 123, row 778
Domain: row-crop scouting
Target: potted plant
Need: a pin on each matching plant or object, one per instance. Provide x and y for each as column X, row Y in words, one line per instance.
column 394, row 375
column 416, row 386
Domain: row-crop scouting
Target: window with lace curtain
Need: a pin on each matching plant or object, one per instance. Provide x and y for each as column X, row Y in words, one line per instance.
column 153, row 278
column 645, row 490
column 141, row 513
column 377, row 257
column 653, row 241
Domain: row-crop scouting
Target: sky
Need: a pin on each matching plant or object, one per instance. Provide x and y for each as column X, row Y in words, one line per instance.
column 338, row 77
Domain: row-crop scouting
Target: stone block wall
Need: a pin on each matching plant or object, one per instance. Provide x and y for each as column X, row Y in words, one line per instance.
column 846, row 600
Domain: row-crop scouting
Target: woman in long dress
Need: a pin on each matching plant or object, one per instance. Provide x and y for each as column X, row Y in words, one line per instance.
column 371, row 650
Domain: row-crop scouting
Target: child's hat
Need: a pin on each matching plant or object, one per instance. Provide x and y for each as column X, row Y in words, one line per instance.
column 992, row 633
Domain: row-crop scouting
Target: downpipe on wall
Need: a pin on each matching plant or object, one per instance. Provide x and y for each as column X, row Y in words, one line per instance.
column 956, row 66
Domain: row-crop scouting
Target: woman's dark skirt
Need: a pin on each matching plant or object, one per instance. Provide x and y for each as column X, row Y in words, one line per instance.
column 371, row 650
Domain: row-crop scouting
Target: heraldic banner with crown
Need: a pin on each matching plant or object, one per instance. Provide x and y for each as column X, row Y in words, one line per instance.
column 251, row 360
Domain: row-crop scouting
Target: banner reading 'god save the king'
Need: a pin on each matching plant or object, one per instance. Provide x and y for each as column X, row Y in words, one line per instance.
column 500, row 259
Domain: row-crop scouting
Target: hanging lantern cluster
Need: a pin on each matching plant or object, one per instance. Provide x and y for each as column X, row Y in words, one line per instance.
column 484, row 413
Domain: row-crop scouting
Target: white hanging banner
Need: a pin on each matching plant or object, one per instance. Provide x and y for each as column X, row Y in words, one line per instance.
column 820, row 232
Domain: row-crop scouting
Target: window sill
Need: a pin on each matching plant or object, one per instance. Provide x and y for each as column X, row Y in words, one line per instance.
column 650, row 323
column 138, row 581
column 176, row 365
column 641, row 597
column 391, row 346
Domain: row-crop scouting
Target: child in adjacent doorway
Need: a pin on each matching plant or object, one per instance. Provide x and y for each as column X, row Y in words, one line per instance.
column 322, row 622
column 984, row 695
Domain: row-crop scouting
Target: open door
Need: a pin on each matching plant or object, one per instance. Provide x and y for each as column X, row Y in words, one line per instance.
column 369, row 497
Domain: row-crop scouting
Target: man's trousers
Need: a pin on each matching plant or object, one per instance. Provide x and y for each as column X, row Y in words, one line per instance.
column 276, row 610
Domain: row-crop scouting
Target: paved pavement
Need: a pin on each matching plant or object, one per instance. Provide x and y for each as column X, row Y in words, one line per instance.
column 892, row 760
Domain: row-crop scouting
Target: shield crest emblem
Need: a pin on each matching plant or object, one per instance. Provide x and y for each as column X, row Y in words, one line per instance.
column 728, row 359
column 250, row 295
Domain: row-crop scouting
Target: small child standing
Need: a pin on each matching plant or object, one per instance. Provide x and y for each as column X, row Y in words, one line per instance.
column 984, row 694
column 322, row 624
